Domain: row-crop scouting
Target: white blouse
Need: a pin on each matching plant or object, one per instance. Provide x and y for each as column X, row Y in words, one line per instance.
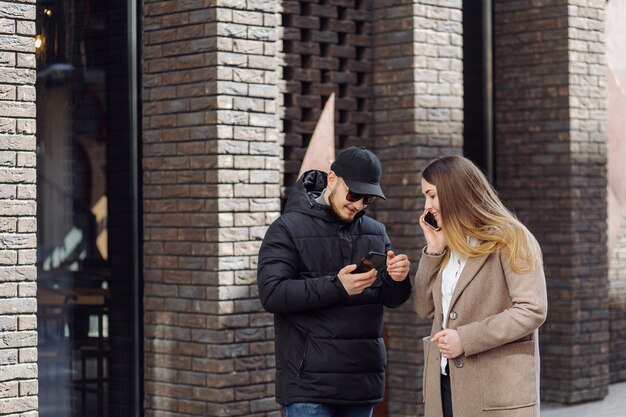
column 449, row 278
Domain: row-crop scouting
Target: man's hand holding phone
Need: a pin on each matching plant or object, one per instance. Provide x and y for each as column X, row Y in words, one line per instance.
column 356, row 283
column 357, row 278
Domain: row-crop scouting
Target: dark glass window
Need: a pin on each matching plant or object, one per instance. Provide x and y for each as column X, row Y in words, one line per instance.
column 478, row 144
column 87, row 210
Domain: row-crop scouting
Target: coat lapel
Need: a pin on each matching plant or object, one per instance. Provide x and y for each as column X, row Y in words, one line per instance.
column 470, row 270
column 438, row 307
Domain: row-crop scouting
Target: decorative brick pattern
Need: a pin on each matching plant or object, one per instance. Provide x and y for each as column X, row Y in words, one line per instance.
column 326, row 48
column 551, row 169
column 18, row 224
column 211, row 188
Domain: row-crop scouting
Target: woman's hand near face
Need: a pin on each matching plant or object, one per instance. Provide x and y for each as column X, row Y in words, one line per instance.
column 435, row 239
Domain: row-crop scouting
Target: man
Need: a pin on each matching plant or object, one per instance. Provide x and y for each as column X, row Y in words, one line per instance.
column 330, row 355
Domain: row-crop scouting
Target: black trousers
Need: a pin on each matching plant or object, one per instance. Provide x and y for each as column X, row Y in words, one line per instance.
column 446, row 394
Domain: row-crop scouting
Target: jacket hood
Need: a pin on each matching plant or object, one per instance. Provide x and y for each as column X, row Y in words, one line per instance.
column 302, row 197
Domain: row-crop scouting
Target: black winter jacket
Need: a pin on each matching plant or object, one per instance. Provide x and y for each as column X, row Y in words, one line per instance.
column 329, row 346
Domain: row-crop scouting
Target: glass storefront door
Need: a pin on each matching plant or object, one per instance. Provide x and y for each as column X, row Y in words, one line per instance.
column 87, row 239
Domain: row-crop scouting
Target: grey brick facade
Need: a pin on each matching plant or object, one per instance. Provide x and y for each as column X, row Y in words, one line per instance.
column 212, row 161
column 397, row 70
column 231, row 91
column 551, row 160
column 18, row 225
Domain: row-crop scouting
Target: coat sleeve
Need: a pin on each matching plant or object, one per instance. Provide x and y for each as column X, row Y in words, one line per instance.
column 528, row 312
column 281, row 289
column 425, row 278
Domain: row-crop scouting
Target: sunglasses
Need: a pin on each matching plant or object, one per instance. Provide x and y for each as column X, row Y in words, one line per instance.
column 354, row 197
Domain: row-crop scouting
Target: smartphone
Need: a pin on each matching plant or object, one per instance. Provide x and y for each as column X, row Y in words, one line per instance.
column 370, row 261
column 430, row 220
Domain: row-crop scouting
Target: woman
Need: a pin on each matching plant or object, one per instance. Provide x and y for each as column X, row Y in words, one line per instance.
column 481, row 280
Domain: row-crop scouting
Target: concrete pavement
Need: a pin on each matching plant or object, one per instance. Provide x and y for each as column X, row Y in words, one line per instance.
column 614, row 405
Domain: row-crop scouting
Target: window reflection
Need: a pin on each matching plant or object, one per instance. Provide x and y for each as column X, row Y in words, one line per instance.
column 85, row 277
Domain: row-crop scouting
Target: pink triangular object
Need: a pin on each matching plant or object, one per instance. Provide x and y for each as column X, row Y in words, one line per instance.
column 321, row 150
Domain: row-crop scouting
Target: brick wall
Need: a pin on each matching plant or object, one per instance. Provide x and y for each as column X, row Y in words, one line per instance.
column 211, row 187
column 213, row 172
column 249, row 196
column 18, row 225
column 418, row 115
column 551, row 169
column 588, row 133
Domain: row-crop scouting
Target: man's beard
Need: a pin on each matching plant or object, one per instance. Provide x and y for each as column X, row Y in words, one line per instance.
column 337, row 209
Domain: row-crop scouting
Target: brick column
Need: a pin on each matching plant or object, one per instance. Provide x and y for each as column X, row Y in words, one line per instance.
column 18, row 224
column 418, row 115
column 551, row 169
column 211, row 188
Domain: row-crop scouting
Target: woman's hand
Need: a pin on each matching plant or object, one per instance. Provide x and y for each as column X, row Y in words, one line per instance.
column 435, row 239
column 449, row 343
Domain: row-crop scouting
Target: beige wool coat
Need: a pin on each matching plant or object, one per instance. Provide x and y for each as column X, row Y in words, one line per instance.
column 497, row 313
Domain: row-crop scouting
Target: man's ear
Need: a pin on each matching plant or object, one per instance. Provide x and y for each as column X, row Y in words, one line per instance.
column 331, row 180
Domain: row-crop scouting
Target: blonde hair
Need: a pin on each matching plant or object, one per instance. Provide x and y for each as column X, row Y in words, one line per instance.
column 470, row 207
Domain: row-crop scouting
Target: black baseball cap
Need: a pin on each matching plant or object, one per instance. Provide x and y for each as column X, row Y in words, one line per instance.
column 360, row 169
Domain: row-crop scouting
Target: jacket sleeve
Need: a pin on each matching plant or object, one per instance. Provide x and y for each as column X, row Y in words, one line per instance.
column 395, row 293
column 528, row 312
column 425, row 278
column 281, row 289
